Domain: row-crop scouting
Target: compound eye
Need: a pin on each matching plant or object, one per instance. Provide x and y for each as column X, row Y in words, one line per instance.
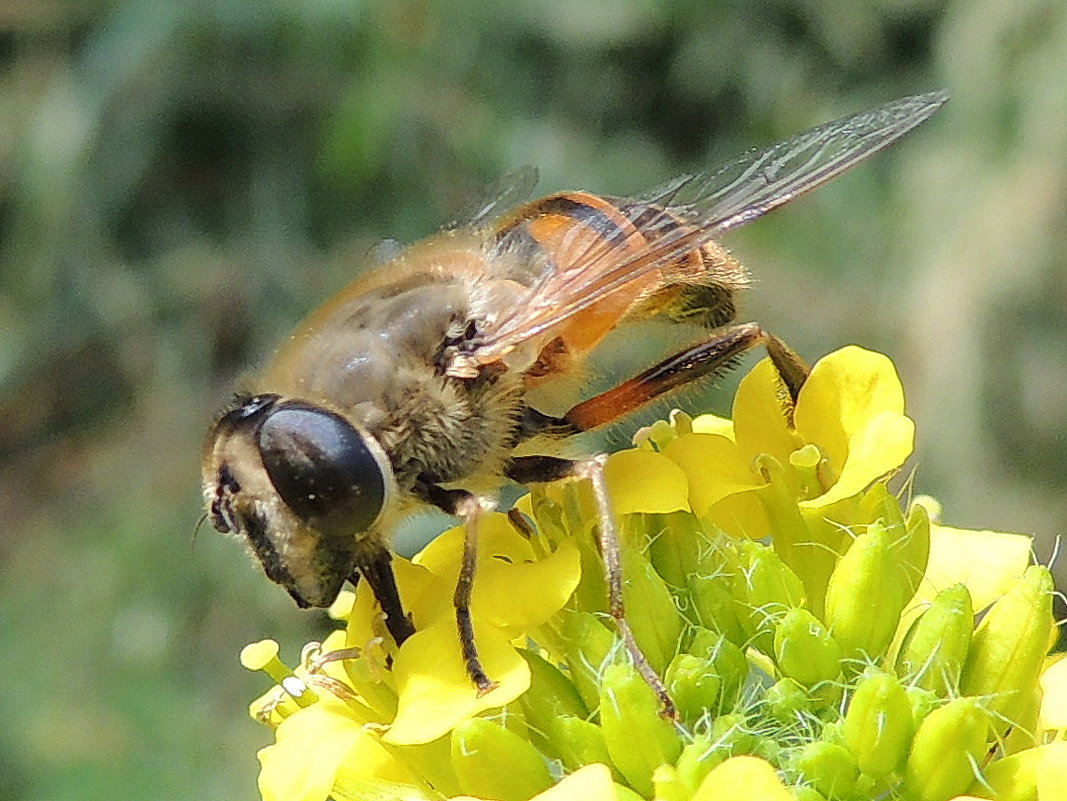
column 323, row 468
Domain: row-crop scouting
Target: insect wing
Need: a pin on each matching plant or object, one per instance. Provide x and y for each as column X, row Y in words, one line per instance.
column 710, row 203
column 499, row 197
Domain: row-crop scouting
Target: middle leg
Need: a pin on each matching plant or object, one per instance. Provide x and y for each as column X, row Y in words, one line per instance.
column 541, row 469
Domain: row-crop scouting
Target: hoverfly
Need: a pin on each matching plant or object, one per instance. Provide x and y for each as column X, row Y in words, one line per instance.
column 411, row 386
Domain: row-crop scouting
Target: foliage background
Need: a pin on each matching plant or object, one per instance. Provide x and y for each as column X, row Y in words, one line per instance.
column 180, row 182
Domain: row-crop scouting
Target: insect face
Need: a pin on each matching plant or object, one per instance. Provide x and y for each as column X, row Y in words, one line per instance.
column 301, row 484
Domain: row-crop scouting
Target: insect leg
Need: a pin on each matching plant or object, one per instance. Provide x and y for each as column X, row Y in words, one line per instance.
column 535, row 469
column 376, row 568
column 469, row 508
column 708, row 358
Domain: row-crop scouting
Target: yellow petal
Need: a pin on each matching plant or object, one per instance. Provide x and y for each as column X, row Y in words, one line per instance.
column 420, row 593
column 497, row 539
column 520, row 597
column 312, row 746
column 879, row 447
column 1054, row 701
column 434, row 689
column 741, row 515
column 714, row 467
column 1052, row 777
column 845, row 391
column 645, row 481
column 588, row 783
column 759, row 415
column 713, row 424
column 742, row 778
column 988, row 562
column 511, row 587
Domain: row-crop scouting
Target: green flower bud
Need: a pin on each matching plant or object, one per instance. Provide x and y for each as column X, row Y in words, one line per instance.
column 915, row 550
column 866, row 595
column 729, row 662
column 922, row 701
column 578, row 742
column 806, row 793
column 713, row 603
column 650, row 610
column 624, row 793
column 1013, row 778
column 765, row 589
column 551, row 696
column 878, row 503
column 787, row 702
column 936, row 645
column 668, row 786
column 492, row 762
column 697, row 760
column 733, row 733
column 588, row 645
column 1010, row 644
column 639, row 740
column 947, row 746
column 878, row 726
column 827, row 767
column 694, row 685
column 910, row 537
column 677, row 546
column 804, row 649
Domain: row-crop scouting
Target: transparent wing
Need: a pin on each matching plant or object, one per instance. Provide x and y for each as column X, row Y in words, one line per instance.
column 499, row 197
column 709, row 203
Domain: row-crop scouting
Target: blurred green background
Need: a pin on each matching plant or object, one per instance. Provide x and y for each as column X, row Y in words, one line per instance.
column 181, row 182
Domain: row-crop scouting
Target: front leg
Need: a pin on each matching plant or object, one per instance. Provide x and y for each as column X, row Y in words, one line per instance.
column 468, row 508
column 375, row 565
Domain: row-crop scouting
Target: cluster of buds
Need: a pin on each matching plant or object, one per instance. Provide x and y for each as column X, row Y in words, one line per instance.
column 819, row 638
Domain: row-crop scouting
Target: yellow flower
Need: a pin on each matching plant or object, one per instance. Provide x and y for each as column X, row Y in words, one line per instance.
column 851, row 409
column 798, row 473
column 799, row 664
column 319, row 747
column 514, row 593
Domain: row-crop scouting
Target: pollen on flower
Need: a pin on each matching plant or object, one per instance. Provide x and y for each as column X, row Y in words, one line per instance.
column 816, row 634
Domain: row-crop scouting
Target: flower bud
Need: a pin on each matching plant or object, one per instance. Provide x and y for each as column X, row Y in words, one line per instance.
column 668, row 786
column 910, row 537
column 491, row 762
column 713, row 602
column 694, row 686
column 878, row 726
column 729, row 662
column 697, row 759
column 639, row 740
column 866, row 595
column 804, row 649
column 935, row 647
column 551, row 697
column 787, row 702
column 923, row 702
column 733, row 733
column 947, row 746
column 1010, row 644
column 578, row 742
column 806, row 793
column 827, row 767
column 677, row 546
column 765, row 589
column 915, row 550
column 588, row 645
column 650, row 609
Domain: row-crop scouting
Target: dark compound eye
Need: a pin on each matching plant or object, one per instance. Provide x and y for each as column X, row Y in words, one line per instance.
column 322, row 468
